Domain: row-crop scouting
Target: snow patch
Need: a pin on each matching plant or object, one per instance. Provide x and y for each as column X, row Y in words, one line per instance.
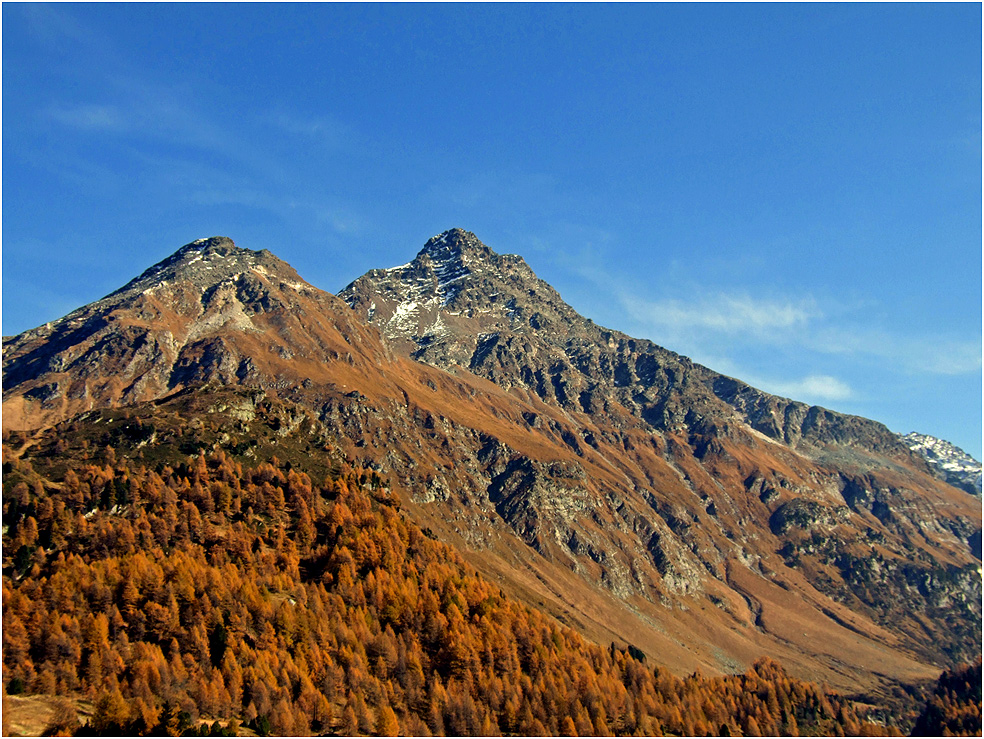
column 404, row 314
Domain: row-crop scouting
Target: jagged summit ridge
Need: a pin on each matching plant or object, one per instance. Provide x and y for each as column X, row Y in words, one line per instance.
column 459, row 303
column 195, row 316
column 453, row 278
column 450, row 254
column 457, row 244
column 203, row 263
column 452, row 243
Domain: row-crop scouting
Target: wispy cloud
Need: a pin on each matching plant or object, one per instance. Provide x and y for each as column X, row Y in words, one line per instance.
column 170, row 138
column 90, row 117
column 709, row 325
column 728, row 324
column 813, row 388
column 55, row 27
column 723, row 313
column 325, row 129
column 935, row 354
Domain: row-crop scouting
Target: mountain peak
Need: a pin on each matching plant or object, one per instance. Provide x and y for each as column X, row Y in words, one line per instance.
column 453, row 289
column 631, row 474
column 455, row 247
column 211, row 244
column 453, row 236
column 207, row 261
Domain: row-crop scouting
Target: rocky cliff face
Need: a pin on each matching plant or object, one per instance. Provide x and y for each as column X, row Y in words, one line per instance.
column 630, row 491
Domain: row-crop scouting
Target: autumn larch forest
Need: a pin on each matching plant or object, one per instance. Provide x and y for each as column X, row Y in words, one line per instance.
column 223, row 595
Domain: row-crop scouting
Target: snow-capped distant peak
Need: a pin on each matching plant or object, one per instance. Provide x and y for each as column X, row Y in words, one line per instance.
column 950, row 462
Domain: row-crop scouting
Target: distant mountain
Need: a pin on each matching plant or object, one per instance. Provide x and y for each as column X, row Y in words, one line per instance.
column 636, row 495
column 950, row 462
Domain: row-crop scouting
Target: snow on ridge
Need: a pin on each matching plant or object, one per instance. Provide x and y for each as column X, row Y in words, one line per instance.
column 449, row 267
column 446, row 274
column 935, row 446
column 449, row 295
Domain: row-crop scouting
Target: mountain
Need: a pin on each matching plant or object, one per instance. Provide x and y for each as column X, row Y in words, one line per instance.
column 458, row 304
column 211, row 311
column 752, row 465
column 633, row 494
column 951, row 463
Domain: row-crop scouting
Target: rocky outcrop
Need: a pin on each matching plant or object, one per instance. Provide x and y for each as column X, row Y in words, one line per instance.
column 460, row 306
column 210, row 312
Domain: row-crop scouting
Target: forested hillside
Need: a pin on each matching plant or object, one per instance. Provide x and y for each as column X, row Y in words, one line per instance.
column 158, row 598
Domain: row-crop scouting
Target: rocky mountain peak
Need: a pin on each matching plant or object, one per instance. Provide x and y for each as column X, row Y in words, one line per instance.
column 455, row 293
column 176, row 323
column 453, row 255
column 459, row 252
column 459, row 303
column 216, row 244
column 454, row 244
column 205, row 262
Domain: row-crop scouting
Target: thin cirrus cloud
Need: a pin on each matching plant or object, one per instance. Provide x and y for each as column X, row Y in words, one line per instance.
column 723, row 314
column 812, row 387
column 723, row 332
column 936, row 354
column 710, row 324
column 236, row 168
column 89, row 117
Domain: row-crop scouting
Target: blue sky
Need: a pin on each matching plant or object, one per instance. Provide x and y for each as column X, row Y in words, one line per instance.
column 790, row 194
